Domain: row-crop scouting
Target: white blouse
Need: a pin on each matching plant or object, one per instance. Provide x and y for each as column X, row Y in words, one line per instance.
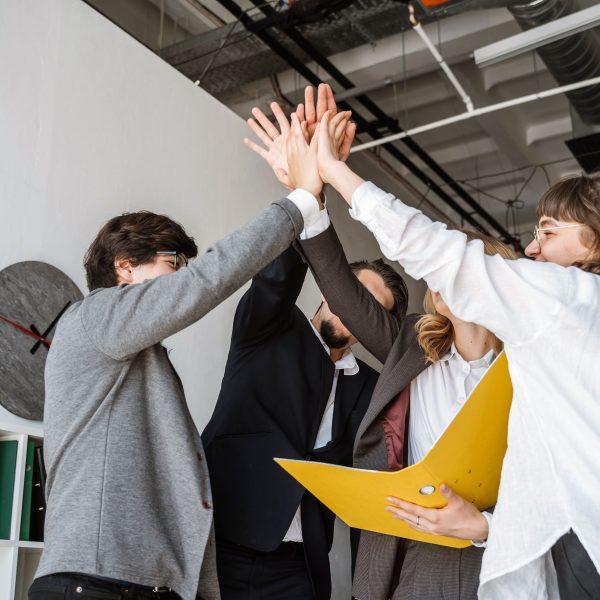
column 436, row 396
column 548, row 318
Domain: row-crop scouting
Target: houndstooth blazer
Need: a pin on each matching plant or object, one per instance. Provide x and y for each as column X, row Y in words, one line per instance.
column 391, row 341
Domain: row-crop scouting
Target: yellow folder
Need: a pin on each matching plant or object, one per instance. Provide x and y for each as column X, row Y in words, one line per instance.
column 467, row 457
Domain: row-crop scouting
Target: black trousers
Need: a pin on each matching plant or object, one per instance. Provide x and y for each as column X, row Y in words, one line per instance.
column 75, row 586
column 578, row 578
column 246, row 574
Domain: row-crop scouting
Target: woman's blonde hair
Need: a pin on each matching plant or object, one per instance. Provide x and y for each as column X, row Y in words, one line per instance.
column 435, row 333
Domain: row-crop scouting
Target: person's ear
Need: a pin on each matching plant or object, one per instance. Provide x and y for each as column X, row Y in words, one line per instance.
column 123, row 270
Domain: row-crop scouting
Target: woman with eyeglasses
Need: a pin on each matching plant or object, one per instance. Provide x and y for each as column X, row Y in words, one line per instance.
column 545, row 534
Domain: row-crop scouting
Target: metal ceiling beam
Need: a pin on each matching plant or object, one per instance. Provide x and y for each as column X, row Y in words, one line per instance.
column 312, row 78
column 299, row 39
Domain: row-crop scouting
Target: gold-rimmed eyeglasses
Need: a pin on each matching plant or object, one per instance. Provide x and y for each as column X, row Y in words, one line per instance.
column 179, row 260
column 542, row 230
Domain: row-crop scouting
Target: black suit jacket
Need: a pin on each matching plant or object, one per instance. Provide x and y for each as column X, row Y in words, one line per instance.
column 276, row 384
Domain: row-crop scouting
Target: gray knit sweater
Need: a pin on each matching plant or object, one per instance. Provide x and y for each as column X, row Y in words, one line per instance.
column 128, row 490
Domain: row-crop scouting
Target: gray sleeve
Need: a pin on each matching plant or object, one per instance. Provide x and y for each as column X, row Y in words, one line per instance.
column 123, row 320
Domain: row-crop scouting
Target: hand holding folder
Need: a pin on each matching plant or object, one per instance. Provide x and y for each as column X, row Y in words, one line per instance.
column 467, row 457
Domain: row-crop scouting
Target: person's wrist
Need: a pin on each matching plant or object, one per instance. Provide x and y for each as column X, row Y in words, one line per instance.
column 333, row 172
column 311, row 189
column 316, row 192
column 482, row 529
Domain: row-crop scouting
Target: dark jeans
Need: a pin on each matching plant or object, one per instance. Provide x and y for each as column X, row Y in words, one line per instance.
column 246, row 574
column 73, row 586
column 578, row 578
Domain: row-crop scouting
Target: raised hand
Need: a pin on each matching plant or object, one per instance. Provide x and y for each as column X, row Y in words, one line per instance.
column 459, row 518
column 314, row 114
column 274, row 151
column 331, row 130
column 302, row 159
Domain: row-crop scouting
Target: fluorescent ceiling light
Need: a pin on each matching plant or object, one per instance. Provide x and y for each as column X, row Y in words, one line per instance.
column 538, row 36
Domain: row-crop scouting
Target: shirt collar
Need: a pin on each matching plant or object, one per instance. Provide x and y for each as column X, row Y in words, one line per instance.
column 348, row 361
column 485, row 361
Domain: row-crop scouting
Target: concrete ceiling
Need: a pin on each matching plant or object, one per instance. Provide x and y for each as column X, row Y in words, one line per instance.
column 504, row 159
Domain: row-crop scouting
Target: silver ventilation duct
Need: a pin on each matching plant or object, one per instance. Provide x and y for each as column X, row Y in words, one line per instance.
column 571, row 59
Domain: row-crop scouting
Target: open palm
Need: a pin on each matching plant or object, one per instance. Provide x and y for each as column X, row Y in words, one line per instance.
column 274, row 140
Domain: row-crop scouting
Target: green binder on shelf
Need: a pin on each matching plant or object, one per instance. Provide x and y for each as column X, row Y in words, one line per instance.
column 8, row 465
column 27, row 488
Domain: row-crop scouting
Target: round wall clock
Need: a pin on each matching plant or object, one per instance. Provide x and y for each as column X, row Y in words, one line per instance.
column 33, row 297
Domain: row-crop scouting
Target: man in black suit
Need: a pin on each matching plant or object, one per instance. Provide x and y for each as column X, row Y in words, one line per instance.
column 292, row 388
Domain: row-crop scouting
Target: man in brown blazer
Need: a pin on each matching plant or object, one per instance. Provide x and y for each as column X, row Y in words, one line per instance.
column 393, row 342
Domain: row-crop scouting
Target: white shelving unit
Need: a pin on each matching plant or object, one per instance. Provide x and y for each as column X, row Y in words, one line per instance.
column 18, row 559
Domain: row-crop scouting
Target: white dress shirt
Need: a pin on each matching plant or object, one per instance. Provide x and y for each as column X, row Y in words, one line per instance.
column 548, row 317
column 349, row 365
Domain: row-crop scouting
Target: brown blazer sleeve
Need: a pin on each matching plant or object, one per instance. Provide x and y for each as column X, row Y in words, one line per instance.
column 373, row 326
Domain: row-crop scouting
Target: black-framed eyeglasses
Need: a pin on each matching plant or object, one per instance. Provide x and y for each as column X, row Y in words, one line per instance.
column 179, row 260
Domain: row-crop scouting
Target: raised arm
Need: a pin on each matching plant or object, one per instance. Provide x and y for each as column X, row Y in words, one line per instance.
column 515, row 299
column 267, row 306
column 367, row 319
column 124, row 320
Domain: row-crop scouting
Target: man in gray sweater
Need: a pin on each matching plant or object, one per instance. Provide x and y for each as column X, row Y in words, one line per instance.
column 129, row 500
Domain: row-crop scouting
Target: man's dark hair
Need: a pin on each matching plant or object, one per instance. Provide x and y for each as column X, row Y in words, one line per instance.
column 135, row 236
column 392, row 279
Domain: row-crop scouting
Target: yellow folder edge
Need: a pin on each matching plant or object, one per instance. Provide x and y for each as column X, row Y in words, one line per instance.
column 467, row 457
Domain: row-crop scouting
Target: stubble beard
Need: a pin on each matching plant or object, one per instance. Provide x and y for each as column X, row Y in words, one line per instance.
column 331, row 338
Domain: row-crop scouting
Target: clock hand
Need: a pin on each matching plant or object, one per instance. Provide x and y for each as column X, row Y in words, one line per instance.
column 49, row 329
column 45, row 342
column 26, row 331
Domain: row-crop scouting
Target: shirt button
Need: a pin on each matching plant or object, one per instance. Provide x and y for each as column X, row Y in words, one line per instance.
column 206, row 504
column 199, row 456
column 79, row 589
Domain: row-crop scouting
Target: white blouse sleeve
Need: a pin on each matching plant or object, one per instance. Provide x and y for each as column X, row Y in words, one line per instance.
column 515, row 299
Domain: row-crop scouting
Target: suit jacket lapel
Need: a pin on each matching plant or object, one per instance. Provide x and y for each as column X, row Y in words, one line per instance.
column 404, row 363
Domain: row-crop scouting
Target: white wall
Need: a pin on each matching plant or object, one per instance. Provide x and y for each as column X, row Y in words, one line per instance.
column 92, row 124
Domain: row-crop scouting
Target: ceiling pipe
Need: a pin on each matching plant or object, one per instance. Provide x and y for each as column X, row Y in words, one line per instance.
column 312, row 78
column 326, row 64
column 542, row 35
column 477, row 112
column 439, row 59
column 574, row 58
column 306, row 47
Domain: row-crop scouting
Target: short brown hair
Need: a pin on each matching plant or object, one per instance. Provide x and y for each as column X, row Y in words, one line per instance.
column 576, row 198
column 435, row 332
column 392, row 279
column 135, row 236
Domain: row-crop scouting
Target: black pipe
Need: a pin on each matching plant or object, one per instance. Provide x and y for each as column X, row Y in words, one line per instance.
column 379, row 114
column 296, row 64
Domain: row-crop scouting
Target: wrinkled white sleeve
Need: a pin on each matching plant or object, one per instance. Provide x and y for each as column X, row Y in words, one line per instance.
column 515, row 299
